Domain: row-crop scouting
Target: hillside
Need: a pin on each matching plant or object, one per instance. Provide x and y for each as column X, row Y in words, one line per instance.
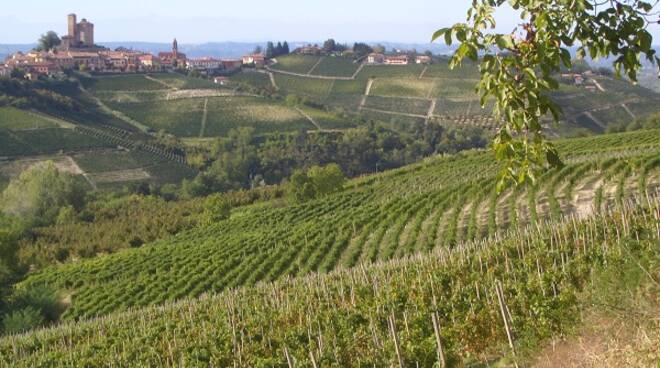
column 436, row 204
column 457, row 305
column 56, row 121
column 420, row 93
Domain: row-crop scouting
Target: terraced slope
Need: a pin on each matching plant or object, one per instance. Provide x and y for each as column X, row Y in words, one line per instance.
column 447, row 306
column 449, row 95
column 433, row 205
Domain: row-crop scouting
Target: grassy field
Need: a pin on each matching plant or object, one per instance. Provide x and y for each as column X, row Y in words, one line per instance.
column 336, row 67
column 329, row 121
column 390, row 71
column 226, row 113
column 259, row 80
column 14, row 119
column 178, row 81
column 433, row 205
column 300, row 64
column 182, row 117
column 45, row 141
column 124, row 83
column 403, row 105
column 403, row 87
column 301, row 86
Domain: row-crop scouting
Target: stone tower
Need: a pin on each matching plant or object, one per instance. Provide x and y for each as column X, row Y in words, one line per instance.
column 86, row 33
column 73, row 28
column 175, row 49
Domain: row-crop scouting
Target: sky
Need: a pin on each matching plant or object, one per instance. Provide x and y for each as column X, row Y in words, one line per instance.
column 201, row 21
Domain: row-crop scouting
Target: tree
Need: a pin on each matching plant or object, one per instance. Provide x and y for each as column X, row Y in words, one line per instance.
column 257, row 50
column 316, row 182
column 40, row 192
column 517, row 69
column 329, row 45
column 48, row 41
column 285, row 48
column 279, row 49
column 216, row 209
column 379, row 49
column 361, row 49
column 270, row 50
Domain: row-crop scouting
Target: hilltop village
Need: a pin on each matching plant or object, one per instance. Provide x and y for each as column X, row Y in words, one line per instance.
column 78, row 51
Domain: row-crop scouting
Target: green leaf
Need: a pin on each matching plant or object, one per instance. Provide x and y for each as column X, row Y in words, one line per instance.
column 439, row 33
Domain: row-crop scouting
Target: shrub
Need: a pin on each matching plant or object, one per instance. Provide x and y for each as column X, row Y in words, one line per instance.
column 22, row 320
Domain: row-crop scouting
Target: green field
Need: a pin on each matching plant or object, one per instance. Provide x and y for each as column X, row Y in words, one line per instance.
column 390, row 71
column 301, row 86
column 300, row 64
column 403, row 87
column 433, row 205
column 329, row 121
column 45, row 141
column 336, row 67
column 181, row 117
column 226, row 113
column 124, row 83
column 402, row 105
column 259, row 80
column 178, row 81
column 14, row 119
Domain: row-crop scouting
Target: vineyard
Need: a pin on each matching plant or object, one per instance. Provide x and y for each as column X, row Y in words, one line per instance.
column 478, row 303
column 338, row 82
column 433, row 205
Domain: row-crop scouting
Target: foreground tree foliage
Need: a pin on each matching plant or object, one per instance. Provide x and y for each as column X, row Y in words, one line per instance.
column 41, row 194
column 517, row 69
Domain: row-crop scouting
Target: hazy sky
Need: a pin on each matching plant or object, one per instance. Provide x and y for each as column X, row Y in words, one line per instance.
column 226, row 20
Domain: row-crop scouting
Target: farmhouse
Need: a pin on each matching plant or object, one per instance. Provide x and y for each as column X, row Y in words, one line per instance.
column 396, row 60
column 231, row 65
column 256, row 59
column 423, row 59
column 149, row 62
column 308, row 50
column 204, row 64
column 375, row 58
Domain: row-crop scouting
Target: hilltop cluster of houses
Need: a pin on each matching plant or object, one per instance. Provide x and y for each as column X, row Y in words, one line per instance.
column 78, row 51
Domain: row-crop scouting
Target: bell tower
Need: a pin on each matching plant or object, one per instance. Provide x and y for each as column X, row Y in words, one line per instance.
column 175, row 49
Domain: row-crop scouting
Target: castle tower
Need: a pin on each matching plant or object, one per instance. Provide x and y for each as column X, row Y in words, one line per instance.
column 175, row 49
column 86, row 33
column 73, row 28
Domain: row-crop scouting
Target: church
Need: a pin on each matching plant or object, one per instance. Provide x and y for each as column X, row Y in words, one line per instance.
column 174, row 58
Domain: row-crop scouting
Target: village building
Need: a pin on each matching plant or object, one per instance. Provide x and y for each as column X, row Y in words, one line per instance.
column 375, row 58
column 174, row 58
column 396, row 60
column 423, row 59
column 232, row 65
column 254, row 59
column 207, row 64
column 308, row 50
column 149, row 62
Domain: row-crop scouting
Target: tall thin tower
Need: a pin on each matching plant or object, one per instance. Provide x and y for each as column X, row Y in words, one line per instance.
column 73, row 28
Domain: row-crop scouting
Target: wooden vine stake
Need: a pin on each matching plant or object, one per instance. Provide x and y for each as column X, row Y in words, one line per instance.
column 436, row 329
column 288, row 357
column 503, row 308
column 395, row 338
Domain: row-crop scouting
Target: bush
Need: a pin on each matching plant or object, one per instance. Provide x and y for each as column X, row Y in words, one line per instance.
column 317, row 182
column 22, row 320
